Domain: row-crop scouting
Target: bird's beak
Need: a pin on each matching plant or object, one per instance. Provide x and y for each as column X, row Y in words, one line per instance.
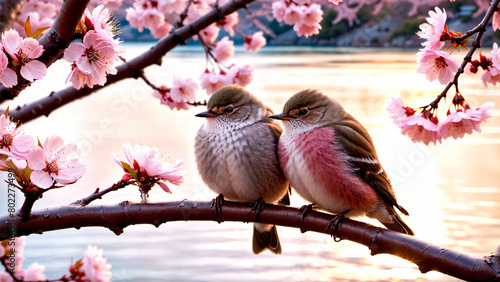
column 207, row 114
column 283, row 116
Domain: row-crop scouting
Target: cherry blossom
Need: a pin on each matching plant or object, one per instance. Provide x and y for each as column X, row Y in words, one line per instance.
column 420, row 129
column 312, row 15
column 241, row 75
column 229, row 22
column 24, row 53
column 100, row 20
column 211, row 81
column 306, row 30
column 93, row 266
column 8, row 77
column 496, row 20
column 396, row 109
column 13, row 142
column 35, row 273
column 166, row 99
column 255, row 41
column 292, row 14
column 437, row 64
column 5, row 277
column 457, row 124
column 183, row 90
column 482, row 112
column 336, row 2
column 78, row 78
column 279, row 10
column 149, row 166
column 433, row 30
column 210, row 33
column 224, row 49
column 55, row 162
column 95, row 56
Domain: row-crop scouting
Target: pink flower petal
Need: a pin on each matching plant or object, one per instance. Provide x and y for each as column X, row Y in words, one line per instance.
column 164, row 187
column 36, row 159
column 8, row 78
column 41, row 179
column 33, row 70
column 73, row 52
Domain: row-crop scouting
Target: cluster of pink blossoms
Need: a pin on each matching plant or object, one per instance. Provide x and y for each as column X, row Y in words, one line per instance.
column 92, row 267
column 426, row 128
column 36, row 165
column 41, row 14
column 433, row 62
column 148, row 167
column 159, row 16
column 11, row 252
column 94, row 57
column 20, row 55
column 304, row 15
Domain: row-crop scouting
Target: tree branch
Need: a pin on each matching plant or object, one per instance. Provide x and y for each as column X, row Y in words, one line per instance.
column 480, row 29
column 128, row 69
column 116, row 217
column 54, row 41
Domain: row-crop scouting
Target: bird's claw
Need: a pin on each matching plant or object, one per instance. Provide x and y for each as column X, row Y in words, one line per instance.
column 334, row 225
column 217, row 204
column 305, row 209
column 258, row 207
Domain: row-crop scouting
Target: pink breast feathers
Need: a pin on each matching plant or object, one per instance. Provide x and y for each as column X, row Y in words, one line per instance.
column 331, row 169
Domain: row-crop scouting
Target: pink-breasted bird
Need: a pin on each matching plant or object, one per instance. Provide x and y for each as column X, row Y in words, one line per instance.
column 236, row 154
column 330, row 160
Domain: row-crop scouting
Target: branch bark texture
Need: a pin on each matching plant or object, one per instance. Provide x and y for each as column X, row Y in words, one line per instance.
column 130, row 69
column 116, row 217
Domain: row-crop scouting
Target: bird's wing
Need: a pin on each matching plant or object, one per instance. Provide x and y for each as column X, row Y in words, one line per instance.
column 358, row 145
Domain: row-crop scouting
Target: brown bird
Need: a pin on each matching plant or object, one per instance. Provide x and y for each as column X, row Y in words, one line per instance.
column 236, row 154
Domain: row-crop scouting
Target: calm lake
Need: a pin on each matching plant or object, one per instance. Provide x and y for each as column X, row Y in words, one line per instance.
column 452, row 190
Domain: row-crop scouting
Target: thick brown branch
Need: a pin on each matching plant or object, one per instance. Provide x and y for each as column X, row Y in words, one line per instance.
column 129, row 69
column 117, row 217
column 54, row 41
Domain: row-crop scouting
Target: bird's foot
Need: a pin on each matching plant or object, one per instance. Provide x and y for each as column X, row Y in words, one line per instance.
column 217, row 204
column 305, row 209
column 257, row 207
column 335, row 223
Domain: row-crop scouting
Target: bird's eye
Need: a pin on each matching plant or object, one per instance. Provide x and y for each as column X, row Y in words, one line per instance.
column 229, row 110
column 303, row 112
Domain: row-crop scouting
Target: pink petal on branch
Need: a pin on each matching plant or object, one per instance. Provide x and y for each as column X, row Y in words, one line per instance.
column 41, row 179
column 437, row 64
column 255, row 42
column 496, row 21
column 224, row 49
column 420, row 129
column 458, row 124
column 183, row 90
column 312, row 15
column 33, row 70
column 94, row 266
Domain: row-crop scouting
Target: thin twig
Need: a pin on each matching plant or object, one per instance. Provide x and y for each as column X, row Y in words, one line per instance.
column 98, row 194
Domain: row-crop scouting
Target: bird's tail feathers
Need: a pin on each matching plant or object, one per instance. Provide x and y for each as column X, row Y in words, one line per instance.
column 398, row 224
column 265, row 238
